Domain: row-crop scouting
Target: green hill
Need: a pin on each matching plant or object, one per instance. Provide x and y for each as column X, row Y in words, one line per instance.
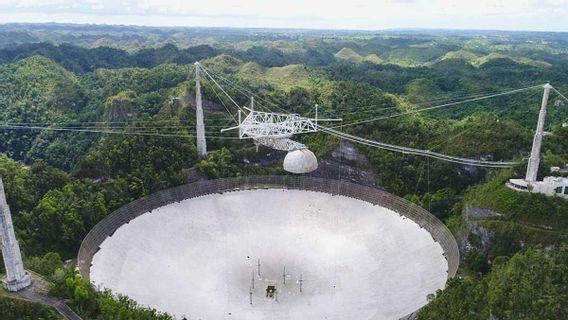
column 477, row 60
column 294, row 75
column 349, row 54
column 460, row 55
column 288, row 76
column 521, row 60
column 412, row 56
column 35, row 90
column 41, row 82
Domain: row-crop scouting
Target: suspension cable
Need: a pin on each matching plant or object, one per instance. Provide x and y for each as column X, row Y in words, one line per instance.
column 224, row 105
column 244, row 90
column 426, row 153
column 436, row 107
column 560, row 94
column 122, row 132
column 219, row 86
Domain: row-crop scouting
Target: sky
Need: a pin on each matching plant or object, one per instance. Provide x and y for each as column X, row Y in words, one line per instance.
column 537, row 15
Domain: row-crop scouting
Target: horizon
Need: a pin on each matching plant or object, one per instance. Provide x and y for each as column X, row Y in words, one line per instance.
column 392, row 29
column 360, row 15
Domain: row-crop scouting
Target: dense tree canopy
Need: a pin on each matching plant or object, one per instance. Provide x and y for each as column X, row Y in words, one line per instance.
column 91, row 123
column 530, row 285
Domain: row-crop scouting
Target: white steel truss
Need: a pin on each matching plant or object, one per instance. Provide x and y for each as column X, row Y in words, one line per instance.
column 274, row 130
column 259, row 124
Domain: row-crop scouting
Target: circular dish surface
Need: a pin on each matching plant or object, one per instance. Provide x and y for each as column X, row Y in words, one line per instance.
column 197, row 258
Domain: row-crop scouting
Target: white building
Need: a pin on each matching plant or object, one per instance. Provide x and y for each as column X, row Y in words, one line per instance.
column 550, row 186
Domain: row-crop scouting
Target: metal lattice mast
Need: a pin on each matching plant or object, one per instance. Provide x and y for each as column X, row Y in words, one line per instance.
column 200, row 125
column 534, row 160
column 16, row 276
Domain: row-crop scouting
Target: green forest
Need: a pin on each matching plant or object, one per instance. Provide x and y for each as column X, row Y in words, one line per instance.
column 95, row 117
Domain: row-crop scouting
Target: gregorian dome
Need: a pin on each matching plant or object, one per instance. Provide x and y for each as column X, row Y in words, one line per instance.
column 300, row 161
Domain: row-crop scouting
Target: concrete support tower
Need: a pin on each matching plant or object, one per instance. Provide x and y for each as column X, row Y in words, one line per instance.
column 16, row 278
column 534, row 160
column 200, row 126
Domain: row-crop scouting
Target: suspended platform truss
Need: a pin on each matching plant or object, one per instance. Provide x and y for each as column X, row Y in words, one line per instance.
column 274, row 130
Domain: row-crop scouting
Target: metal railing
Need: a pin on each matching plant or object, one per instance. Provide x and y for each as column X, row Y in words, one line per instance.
column 123, row 215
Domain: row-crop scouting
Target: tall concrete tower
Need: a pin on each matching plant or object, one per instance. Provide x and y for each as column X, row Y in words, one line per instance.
column 16, row 277
column 200, row 126
column 534, row 160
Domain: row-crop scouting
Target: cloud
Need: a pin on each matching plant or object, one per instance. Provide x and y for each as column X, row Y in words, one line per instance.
column 367, row 14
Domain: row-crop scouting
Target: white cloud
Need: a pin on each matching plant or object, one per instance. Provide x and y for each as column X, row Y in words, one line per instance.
column 352, row 14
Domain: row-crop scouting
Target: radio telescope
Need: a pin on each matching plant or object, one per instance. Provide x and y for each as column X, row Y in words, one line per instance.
column 285, row 248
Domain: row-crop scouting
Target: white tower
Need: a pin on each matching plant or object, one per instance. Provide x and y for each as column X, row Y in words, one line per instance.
column 200, row 126
column 534, row 160
column 16, row 278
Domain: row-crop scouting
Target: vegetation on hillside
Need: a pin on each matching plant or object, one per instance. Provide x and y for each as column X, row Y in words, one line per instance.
column 12, row 309
column 530, row 285
column 134, row 109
